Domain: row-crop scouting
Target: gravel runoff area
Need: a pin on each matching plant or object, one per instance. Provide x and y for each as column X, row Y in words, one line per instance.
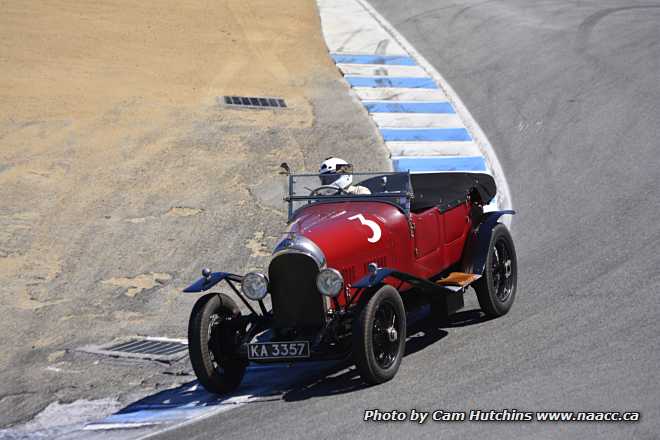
column 122, row 175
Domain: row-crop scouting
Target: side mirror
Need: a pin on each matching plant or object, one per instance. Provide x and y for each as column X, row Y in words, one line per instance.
column 285, row 168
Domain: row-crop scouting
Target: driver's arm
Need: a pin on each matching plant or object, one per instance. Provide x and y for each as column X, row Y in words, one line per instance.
column 358, row 190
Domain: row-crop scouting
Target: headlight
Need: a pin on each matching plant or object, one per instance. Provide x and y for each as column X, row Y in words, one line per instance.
column 255, row 285
column 329, row 282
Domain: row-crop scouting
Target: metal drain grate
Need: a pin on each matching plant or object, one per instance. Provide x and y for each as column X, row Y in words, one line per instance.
column 157, row 349
column 254, row 101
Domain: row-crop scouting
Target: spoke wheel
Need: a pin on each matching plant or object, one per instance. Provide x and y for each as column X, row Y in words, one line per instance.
column 385, row 335
column 214, row 332
column 213, row 338
column 496, row 288
column 502, row 279
column 379, row 336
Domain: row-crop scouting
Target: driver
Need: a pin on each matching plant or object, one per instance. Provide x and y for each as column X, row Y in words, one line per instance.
column 337, row 172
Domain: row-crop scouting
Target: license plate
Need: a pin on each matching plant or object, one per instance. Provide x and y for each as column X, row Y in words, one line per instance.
column 278, row 350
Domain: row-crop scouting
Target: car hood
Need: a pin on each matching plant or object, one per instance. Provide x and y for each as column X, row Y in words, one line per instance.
column 350, row 233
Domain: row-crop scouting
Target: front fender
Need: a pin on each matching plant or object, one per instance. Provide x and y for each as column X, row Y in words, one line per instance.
column 205, row 283
column 381, row 273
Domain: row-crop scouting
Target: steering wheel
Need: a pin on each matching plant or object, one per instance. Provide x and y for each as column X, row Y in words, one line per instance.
column 337, row 190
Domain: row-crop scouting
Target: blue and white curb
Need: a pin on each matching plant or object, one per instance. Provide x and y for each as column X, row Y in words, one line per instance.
column 422, row 121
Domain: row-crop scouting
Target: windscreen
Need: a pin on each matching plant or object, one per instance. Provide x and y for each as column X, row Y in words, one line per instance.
column 331, row 187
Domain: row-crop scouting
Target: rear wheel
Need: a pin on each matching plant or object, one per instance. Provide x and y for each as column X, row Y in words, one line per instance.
column 379, row 336
column 213, row 341
column 496, row 289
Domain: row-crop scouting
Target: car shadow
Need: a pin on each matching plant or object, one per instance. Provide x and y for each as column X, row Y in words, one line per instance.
column 293, row 383
column 465, row 318
column 423, row 330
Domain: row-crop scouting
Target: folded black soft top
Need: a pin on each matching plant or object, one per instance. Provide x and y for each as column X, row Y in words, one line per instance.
column 447, row 189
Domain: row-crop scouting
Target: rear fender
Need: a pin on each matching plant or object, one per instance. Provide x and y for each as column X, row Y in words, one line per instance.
column 476, row 248
column 205, row 283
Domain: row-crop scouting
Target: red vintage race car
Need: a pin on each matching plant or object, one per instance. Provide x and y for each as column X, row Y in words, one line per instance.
column 334, row 285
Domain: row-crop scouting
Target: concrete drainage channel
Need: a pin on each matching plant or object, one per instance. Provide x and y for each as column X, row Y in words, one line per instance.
column 148, row 348
column 253, row 102
column 425, row 127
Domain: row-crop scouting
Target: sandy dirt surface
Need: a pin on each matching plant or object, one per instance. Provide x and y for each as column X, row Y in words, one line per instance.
column 121, row 175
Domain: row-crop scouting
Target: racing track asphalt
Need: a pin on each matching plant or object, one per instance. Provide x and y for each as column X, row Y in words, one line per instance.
column 568, row 93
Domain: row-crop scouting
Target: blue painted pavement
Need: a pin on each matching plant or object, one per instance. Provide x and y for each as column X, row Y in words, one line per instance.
column 425, row 134
column 408, row 107
column 391, row 81
column 440, row 163
column 392, row 60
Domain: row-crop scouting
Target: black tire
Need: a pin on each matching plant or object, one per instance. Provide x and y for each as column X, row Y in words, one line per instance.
column 212, row 344
column 376, row 355
column 496, row 289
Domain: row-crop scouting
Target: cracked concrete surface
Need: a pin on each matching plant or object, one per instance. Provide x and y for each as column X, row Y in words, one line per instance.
column 181, row 211
column 139, row 283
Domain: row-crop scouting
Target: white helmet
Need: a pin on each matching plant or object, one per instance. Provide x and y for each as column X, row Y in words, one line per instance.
column 337, row 172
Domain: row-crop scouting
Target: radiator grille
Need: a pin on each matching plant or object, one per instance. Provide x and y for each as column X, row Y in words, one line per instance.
column 348, row 273
column 296, row 300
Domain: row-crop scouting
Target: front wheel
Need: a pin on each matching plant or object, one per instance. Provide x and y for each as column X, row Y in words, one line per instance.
column 212, row 343
column 496, row 289
column 379, row 336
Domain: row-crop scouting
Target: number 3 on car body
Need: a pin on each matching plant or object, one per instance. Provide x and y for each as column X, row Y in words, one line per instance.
column 375, row 229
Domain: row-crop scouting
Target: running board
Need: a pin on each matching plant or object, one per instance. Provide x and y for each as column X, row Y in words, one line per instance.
column 455, row 282
column 458, row 281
